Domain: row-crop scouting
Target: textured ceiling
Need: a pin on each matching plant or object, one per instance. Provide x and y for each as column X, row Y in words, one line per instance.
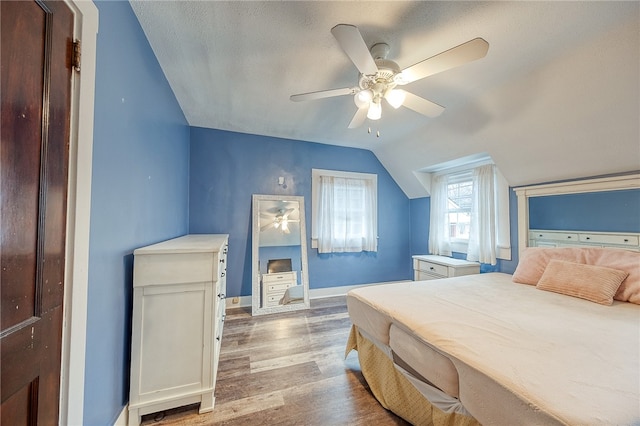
column 556, row 97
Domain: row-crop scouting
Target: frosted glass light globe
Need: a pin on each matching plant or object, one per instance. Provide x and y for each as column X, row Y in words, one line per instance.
column 363, row 98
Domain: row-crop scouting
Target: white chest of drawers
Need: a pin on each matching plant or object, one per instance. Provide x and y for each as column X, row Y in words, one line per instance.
column 432, row 267
column 178, row 312
column 274, row 286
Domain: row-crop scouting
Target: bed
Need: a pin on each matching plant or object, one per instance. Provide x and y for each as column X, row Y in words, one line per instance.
column 556, row 343
column 507, row 352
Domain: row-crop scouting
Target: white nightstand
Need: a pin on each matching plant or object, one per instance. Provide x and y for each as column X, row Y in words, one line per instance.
column 431, row 267
column 274, row 286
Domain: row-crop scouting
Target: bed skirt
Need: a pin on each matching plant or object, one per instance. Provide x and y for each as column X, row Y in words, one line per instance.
column 394, row 391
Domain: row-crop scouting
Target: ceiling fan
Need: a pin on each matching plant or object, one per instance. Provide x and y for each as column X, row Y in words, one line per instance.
column 280, row 221
column 380, row 76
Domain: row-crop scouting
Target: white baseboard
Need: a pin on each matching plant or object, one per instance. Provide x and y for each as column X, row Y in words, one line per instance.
column 314, row 293
column 123, row 418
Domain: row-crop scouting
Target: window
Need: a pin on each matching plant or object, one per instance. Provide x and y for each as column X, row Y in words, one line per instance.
column 459, row 196
column 344, row 211
column 470, row 214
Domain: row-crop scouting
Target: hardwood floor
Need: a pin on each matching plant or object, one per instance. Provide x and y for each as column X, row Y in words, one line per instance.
column 287, row 369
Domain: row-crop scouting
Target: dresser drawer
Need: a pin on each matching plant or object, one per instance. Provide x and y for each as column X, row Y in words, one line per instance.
column 173, row 268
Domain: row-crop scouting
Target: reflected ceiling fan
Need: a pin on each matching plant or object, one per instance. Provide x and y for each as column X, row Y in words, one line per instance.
column 280, row 221
column 380, row 76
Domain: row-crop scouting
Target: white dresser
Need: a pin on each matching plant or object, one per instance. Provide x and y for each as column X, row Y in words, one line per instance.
column 178, row 312
column 432, row 267
column 274, row 286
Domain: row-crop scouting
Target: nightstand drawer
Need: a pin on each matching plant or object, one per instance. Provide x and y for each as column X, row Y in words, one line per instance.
column 433, row 267
column 430, row 267
column 279, row 287
column 274, row 298
column 283, row 277
column 423, row 276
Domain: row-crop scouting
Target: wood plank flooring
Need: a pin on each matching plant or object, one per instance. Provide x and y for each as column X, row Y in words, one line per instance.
column 287, row 369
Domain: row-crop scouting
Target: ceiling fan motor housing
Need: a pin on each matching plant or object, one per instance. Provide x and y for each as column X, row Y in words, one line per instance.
column 382, row 81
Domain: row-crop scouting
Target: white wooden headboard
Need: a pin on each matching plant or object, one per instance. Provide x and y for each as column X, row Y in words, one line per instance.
column 606, row 239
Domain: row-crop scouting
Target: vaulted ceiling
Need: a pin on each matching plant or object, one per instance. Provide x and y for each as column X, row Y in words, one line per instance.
column 556, row 97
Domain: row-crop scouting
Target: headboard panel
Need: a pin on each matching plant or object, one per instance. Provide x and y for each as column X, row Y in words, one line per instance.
column 585, row 238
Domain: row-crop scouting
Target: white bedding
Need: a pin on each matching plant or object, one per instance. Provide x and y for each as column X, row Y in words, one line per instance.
column 521, row 355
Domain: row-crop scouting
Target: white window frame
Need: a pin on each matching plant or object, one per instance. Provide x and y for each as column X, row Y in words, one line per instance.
column 460, row 245
column 315, row 192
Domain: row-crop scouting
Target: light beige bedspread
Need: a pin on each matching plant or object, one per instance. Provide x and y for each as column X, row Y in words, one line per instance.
column 523, row 355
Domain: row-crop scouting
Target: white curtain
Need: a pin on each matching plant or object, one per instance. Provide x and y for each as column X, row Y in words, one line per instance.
column 483, row 235
column 347, row 215
column 439, row 240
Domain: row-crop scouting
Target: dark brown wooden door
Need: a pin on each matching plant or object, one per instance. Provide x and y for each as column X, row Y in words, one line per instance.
column 36, row 51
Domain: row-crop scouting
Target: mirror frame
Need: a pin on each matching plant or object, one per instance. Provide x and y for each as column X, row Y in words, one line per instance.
column 256, row 307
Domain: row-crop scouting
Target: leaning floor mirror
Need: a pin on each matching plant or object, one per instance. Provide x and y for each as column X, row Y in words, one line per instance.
column 279, row 255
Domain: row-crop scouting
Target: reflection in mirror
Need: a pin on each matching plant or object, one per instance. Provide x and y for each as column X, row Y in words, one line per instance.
column 279, row 254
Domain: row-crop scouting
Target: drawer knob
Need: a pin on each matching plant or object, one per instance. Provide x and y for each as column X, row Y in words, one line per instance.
column 569, row 236
column 431, row 268
column 539, row 235
column 588, row 238
column 221, row 295
column 626, row 240
column 222, row 274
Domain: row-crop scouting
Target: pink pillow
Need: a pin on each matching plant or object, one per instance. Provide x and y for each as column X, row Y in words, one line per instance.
column 534, row 260
column 594, row 283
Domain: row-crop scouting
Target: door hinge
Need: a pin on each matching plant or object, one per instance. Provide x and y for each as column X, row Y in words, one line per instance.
column 77, row 53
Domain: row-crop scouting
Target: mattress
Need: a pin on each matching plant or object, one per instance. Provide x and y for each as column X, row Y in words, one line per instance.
column 517, row 354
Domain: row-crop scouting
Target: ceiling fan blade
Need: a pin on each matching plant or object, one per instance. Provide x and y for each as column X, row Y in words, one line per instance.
column 267, row 225
column 422, row 106
column 323, row 94
column 286, row 214
column 358, row 118
column 456, row 56
column 353, row 44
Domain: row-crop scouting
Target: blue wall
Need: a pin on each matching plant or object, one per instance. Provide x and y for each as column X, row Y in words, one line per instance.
column 227, row 168
column 139, row 195
column 420, row 217
column 614, row 211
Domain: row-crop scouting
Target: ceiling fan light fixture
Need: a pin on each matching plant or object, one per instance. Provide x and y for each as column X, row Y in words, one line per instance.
column 375, row 111
column 400, row 79
column 363, row 98
column 395, row 97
